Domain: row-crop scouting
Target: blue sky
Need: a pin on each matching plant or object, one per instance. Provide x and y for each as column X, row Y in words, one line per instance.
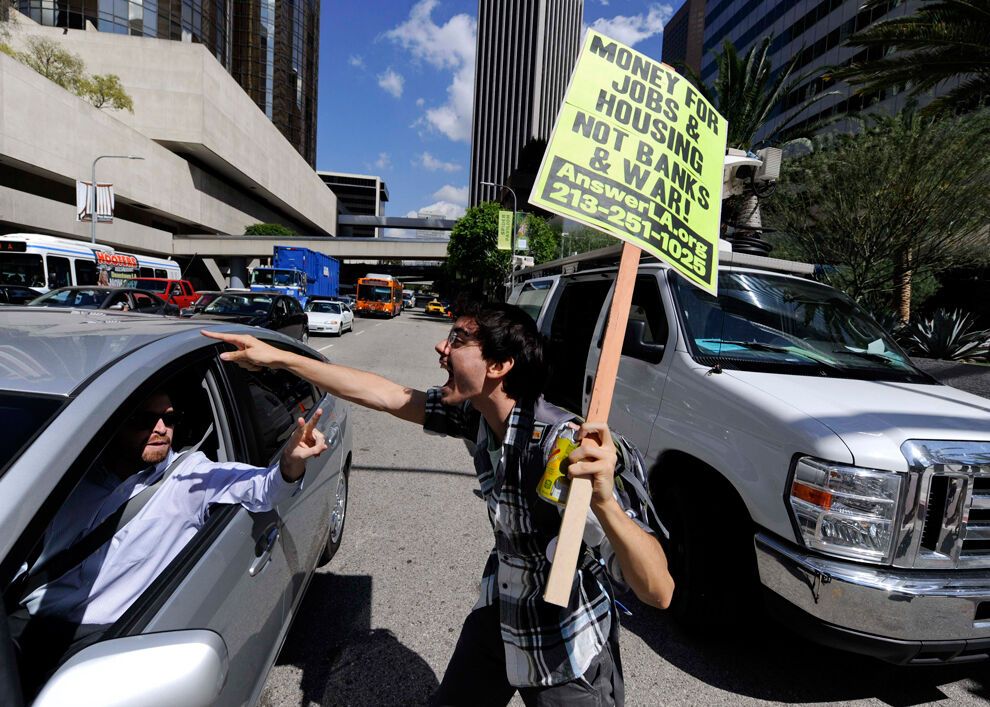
column 396, row 89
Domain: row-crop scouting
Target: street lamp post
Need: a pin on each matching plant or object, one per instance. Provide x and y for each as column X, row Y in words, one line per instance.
column 512, row 238
column 92, row 201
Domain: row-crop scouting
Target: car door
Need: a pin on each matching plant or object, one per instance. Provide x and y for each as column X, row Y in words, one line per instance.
column 146, row 304
column 646, row 353
column 298, row 317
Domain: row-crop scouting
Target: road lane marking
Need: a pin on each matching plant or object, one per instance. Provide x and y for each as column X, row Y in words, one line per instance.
column 328, row 346
column 358, row 333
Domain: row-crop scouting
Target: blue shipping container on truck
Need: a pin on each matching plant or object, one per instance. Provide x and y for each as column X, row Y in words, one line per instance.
column 298, row 272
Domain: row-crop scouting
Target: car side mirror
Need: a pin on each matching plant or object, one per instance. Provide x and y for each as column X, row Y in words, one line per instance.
column 158, row 669
column 635, row 345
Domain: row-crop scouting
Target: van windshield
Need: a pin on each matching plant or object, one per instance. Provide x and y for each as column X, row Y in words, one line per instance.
column 762, row 321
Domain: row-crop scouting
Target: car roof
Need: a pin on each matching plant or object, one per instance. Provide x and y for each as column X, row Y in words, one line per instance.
column 53, row 351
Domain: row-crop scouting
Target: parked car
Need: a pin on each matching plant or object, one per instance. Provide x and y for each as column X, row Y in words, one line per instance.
column 262, row 309
column 329, row 317
column 178, row 292
column 223, row 607
column 122, row 299
column 436, row 307
column 795, row 454
column 17, row 294
column 408, row 300
column 205, row 297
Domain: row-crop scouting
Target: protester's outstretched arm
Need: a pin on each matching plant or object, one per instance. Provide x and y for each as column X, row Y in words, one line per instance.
column 367, row 389
column 643, row 563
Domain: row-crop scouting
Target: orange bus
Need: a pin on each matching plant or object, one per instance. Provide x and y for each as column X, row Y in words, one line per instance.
column 378, row 295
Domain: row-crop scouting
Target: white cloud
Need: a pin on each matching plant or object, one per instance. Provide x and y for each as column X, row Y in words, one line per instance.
column 356, row 60
column 420, row 102
column 428, row 161
column 633, row 29
column 384, row 161
column 391, row 82
column 451, row 194
column 448, row 47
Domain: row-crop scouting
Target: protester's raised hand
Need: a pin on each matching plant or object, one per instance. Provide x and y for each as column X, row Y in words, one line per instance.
column 250, row 352
column 595, row 460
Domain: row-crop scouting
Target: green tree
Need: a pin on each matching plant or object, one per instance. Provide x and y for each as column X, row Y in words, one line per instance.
column 542, row 241
column 905, row 198
column 56, row 64
column 745, row 93
column 268, row 229
column 473, row 257
column 105, row 90
column 943, row 41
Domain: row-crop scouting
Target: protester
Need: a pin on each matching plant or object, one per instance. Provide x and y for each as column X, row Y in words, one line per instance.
column 71, row 598
column 513, row 640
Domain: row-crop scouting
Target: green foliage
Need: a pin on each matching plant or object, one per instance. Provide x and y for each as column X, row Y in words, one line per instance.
column 948, row 335
column 48, row 58
column 906, row 190
column 56, row 64
column 585, row 240
column 473, row 257
column 268, row 229
column 543, row 242
column 943, row 41
column 105, row 90
column 746, row 92
column 8, row 50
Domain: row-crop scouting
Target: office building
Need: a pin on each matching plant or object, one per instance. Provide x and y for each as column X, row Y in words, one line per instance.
column 814, row 31
column 357, row 195
column 271, row 48
column 683, row 36
column 525, row 53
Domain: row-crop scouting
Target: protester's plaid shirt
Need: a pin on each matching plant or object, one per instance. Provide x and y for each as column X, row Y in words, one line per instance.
column 544, row 644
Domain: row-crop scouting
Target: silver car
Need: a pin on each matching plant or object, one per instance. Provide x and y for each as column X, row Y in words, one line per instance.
column 211, row 625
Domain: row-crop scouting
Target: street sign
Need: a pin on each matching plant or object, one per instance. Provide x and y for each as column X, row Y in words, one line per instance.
column 104, row 201
column 505, row 230
column 637, row 152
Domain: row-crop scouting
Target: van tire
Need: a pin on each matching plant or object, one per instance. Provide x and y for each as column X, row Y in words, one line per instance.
column 714, row 571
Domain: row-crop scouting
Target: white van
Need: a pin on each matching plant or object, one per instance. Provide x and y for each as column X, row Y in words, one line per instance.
column 796, row 455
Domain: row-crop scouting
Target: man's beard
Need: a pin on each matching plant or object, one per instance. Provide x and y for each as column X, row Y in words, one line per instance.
column 154, row 455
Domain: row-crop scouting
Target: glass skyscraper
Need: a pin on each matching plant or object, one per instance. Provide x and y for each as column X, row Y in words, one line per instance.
column 270, row 47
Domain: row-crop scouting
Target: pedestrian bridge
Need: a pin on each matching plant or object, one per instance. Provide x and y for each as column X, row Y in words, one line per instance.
column 223, row 246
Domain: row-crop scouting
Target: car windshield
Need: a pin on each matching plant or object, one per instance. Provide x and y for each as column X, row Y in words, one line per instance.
column 323, row 307
column 21, row 269
column 22, row 417
column 762, row 321
column 77, row 297
column 372, row 293
column 277, row 278
column 240, row 304
column 143, row 283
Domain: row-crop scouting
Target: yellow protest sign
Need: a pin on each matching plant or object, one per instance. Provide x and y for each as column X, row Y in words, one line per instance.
column 505, row 230
column 637, row 152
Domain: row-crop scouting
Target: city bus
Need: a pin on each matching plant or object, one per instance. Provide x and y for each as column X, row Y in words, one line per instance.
column 378, row 295
column 44, row 263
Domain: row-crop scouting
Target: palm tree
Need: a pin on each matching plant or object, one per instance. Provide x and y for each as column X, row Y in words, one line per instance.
column 944, row 40
column 746, row 93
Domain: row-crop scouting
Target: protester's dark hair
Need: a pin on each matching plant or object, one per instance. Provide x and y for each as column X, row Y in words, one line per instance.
column 506, row 331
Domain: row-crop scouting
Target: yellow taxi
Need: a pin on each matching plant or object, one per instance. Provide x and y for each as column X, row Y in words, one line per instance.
column 436, row 307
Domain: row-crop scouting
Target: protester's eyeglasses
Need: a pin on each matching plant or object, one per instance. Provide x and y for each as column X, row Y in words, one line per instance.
column 146, row 420
column 458, row 338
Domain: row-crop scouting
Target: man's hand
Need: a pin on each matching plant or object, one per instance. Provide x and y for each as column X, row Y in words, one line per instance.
column 306, row 442
column 595, row 460
column 251, row 353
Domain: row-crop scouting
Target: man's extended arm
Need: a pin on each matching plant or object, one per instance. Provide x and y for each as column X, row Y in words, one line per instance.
column 357, row 386
column 643, row 563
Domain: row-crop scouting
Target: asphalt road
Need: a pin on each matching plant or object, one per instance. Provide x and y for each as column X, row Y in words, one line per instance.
column 379, row 623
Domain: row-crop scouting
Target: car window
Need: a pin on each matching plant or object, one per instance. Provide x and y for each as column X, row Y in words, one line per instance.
column 647, row 307
column 294, row 306
column 276, row 398
column 145, row 302
column 532, row 297
column 22, row 416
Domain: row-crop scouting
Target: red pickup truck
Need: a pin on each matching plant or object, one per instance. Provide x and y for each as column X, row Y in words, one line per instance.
column 179, row 292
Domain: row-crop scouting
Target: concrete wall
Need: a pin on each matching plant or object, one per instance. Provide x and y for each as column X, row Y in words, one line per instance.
column 184, row 103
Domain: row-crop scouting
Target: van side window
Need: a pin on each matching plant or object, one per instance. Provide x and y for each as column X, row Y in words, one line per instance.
column 146, row 272
column 532, row 296
column 86, row 272
column 59, row 274
column 648, row 308
column 161, row 273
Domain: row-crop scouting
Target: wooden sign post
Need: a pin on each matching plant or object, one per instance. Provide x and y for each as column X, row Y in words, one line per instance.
column 579, row 497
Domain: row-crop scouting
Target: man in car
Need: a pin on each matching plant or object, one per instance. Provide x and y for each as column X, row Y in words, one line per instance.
column 69, row 597
column 513, row 640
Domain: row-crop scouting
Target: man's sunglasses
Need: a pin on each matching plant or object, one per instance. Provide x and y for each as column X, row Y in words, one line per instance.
column 146, row 420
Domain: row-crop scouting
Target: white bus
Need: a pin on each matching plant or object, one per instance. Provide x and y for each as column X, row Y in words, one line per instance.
column 45, row 262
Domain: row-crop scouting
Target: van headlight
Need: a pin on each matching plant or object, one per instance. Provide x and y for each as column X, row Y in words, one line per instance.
column 844, row 510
